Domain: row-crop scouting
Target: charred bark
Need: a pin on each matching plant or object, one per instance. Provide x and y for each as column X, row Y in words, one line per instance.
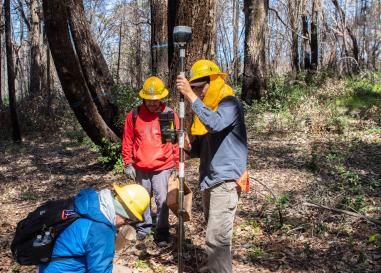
column 159, row 36
column 94, row 67
column 1, row 53
column 314, row 35
column 70, row 73
column 355, row 47
column 200, row 15
column 255, row 73
column 16, row 134
column 293, row 21
column 306, row 35
column 36, row 68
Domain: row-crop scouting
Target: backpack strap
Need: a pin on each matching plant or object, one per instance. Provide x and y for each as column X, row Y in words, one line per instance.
column 60, row 258
column 135, row 113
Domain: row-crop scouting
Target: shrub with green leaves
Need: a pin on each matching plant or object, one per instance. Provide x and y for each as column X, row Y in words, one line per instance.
column 126, row 98
column 111, row 154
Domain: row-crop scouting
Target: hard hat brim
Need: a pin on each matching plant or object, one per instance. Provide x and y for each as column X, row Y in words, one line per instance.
column 154, row 97
column 127, row 202
column 223, row 75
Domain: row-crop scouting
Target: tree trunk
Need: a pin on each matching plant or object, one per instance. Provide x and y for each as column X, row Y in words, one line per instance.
column 314, row 34
column 236, row 59
column 355, row 48
column 70, row 73
column 16, row 135
column 48, row 82
column 1, row 55
column 94, row 67
column 119, row 50
column 293, row 21
column 200, row 15
column 159, row 36
column 306, row 35
column 254, row 75
column 36, row 70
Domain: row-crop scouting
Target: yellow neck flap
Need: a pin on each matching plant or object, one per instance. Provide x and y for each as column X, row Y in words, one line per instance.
column 216, row 92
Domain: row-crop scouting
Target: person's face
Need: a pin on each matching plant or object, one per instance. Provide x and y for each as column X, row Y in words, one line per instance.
column 120, row 221
column 200, row 91
column 153, row 105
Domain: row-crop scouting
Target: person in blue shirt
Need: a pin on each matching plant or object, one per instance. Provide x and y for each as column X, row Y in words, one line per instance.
column 220, row 141
column 88, row 244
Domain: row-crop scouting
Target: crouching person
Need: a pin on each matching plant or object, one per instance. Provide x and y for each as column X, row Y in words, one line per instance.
column 88, row 244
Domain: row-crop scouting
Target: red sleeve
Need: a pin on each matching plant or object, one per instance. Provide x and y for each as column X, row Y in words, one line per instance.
column 128, row 140
column 176, row 146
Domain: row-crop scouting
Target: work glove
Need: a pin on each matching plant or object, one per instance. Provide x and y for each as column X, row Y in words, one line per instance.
column 174, row 171
column 130, row 171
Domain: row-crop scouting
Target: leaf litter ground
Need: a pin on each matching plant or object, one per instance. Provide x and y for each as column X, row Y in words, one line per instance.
column 274, row 230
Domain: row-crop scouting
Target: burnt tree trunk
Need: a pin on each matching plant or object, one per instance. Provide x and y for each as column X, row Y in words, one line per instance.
column 137, row 44
column 306, row 35
column 94, row 67
column 119, row 51
column 70, row 73
column 236, row 58
column 255, row 74
column 200, row 15
column 16, row 135
column 355, row 47
column 293, row 21
column 159, row 36
column 36, row 68
column 49, row 96
column 314, row 35
column 1, row 53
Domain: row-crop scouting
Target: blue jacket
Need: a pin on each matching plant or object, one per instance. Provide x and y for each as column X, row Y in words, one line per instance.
column 223, row 150
column 91, row 237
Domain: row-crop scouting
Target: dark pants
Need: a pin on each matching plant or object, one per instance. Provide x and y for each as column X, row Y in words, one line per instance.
column 156, row 183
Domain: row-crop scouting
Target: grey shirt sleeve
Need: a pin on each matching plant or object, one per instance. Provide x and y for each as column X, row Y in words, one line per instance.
column 226, row 114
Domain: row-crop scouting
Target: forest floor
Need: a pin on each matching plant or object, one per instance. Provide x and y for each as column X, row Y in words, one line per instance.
column 275, row 230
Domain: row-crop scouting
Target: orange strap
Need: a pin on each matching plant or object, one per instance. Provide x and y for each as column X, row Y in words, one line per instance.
column 243, row 182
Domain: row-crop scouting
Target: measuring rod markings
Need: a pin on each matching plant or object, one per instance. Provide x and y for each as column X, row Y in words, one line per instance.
column 181, row 169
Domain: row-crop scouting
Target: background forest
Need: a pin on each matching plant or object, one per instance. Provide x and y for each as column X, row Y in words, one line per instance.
column 307, row 72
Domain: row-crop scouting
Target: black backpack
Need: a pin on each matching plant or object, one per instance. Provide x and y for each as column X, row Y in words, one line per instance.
column 167, row 124
column 36, row 234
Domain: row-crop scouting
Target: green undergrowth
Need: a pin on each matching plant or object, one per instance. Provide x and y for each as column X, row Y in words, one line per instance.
column 322, row 103
column 362, row 93
column 125, row 98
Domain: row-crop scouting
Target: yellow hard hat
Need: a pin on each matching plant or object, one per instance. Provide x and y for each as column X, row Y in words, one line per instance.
column 204, row 68
column 153, row 89
column 135, row 197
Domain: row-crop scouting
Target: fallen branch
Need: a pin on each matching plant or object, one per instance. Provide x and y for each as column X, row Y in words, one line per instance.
column 354, row 214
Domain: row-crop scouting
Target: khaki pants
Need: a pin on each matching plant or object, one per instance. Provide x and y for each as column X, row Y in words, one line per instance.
column 220, row 203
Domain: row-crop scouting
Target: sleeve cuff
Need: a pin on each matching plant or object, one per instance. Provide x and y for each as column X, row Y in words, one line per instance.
column 197, row 106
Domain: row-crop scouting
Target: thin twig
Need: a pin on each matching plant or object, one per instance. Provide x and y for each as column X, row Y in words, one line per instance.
column 354, row 214
column 275, row 199
column 286, row 25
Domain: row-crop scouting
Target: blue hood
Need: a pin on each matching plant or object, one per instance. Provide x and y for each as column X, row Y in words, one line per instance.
column 86, row 203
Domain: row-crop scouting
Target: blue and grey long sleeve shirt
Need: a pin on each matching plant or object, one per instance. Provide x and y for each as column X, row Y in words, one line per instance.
column 223, row 150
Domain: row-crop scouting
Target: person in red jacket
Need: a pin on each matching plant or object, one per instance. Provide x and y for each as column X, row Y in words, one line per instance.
column 148, row 154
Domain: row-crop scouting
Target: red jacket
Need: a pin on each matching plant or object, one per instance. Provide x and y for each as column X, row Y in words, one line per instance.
column 142, row 145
